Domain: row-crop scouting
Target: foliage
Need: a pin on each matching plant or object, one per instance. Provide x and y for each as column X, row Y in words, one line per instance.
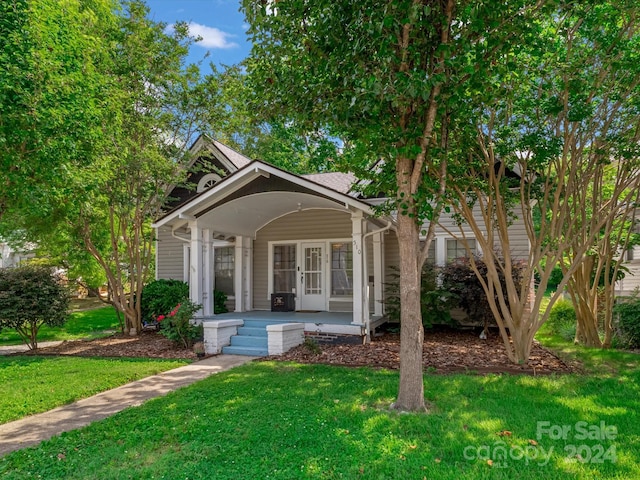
column 67, row 379
column 51, row 91
column 350, row 426
column 80, row 325
column 177, row 325
column 219, row 302
column 459, row 277
column 30, row 297
column 397, row 82
column 627, row 312
column 562, row 319
column 151, row 106
column 436, row 303
column 160, row 296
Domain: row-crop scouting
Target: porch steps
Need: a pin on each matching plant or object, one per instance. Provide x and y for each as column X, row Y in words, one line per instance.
column 251, row 339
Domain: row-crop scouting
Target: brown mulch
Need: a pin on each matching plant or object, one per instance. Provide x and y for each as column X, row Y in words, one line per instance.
column 445, row 351
column 145, row 345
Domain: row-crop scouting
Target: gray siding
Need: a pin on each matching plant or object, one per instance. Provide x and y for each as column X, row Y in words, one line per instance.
column 170, row 254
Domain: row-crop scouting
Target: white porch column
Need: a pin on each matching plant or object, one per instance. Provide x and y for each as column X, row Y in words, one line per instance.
column 240, row 274
column 207, row 294
column 247, row 263
column 378, row 274
column 357, row 227
column 195, row 277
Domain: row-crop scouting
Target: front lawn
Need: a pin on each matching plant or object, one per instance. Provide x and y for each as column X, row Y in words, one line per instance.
column 32, row 384
column 84, row 324
column 286, row 421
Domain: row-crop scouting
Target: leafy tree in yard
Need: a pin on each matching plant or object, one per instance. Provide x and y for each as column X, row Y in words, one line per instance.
column 393, row 79
column 32, row 296
column 570, row 129
column 50, row 93
column 152, row 106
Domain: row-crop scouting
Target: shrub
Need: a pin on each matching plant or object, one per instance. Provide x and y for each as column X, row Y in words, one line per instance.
column 562, row 319
column 177, row 326
column 435, row 303
column 460, row 280
column 628, row 322
column 160, row 296
column 219, row 302
column 32, row 296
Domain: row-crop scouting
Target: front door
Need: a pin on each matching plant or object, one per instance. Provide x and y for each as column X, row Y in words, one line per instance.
column 312, row 277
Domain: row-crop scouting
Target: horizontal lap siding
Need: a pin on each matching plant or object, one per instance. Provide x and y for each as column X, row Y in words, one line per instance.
column 170, row 254
column 305, row 225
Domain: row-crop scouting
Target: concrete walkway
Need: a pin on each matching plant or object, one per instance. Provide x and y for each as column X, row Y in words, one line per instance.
column 36, row 428
column 9, row 349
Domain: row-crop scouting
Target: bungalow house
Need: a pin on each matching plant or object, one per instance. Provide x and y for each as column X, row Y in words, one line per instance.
column 306, row 246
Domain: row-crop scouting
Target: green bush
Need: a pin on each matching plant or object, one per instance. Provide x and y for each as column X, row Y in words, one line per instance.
column 176, row 325
column 628, row 322
column 32, row 296
column 219, row 302
column 460, row 280
column 562, row 314
column 160, row 297
column 435, row 303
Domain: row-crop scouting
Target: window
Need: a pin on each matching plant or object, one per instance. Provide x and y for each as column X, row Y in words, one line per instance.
column 456, row 248
column 224, row 268
column 284, row 268
column 630, row 254
column 208, row 181
column 341, row 269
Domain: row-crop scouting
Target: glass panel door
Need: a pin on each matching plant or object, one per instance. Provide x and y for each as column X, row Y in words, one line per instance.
column 312, row 277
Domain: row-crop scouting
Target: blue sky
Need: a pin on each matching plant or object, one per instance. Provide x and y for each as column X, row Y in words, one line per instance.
column 218, row 22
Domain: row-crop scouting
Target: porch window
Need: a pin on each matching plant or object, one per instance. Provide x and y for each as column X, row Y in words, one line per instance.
column 341, row 269
column 224, row 267
column 456, row 248
column 284, row 268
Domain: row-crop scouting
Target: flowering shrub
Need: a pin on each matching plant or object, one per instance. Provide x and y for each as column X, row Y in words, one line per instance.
column 176, row 325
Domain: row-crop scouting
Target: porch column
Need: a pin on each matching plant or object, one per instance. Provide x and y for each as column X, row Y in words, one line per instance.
column 207, row 294
column 378, row 280
column 243, row 274
column 357, row 227
column 195, row 276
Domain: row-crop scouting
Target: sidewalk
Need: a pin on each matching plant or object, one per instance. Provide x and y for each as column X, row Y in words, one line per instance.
column 36, row 428
column 8, row 350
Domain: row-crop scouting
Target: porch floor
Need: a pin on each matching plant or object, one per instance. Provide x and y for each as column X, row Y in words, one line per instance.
column 336, row 323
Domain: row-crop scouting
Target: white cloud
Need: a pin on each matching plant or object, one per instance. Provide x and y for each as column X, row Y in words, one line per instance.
column 211, row 37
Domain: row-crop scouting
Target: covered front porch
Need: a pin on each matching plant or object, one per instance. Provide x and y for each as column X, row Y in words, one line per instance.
column 288, row 235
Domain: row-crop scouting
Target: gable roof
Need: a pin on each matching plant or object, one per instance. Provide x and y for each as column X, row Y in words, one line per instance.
column 230, row 188
column 338, row 181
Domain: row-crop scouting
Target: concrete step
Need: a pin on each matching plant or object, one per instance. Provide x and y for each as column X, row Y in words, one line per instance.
column 251, row 351
column 252, row 331
column 262, row 323
column 246, row 341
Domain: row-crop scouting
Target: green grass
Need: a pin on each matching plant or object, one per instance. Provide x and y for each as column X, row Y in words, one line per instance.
column 32, row 384
column 288, row 421
column 593, row 361
column 85, row 324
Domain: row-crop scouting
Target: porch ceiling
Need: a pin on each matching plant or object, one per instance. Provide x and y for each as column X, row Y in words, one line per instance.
column 248, row 214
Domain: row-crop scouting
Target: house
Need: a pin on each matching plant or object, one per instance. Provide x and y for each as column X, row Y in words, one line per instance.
column 11, row 257
column 272, row 240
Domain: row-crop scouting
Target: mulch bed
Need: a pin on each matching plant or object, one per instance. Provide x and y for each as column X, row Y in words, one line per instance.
column 445, row 351
column 145, row 345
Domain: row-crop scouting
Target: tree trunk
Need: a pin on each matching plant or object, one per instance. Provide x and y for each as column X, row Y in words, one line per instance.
column 411, row 389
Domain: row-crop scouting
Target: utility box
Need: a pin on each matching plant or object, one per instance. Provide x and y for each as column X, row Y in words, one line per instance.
column 283, row 302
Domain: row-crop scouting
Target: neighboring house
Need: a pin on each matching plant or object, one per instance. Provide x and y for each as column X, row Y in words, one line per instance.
column 255, row 232
column 9, row 257
column 631, row 281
